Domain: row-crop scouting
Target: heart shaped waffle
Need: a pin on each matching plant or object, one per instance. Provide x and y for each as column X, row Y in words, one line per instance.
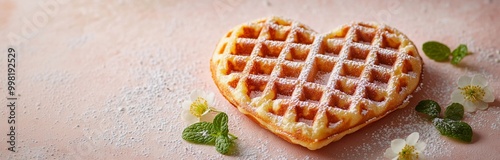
column 312, row 89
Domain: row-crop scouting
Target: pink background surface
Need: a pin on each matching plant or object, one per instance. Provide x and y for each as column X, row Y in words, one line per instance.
column 105, row 80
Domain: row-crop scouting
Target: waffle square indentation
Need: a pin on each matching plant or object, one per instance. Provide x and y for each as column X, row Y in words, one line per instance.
column 262, row 67
column 270, row 51
column 297, row 54
column 321, row 71
column 255, row 87
column 243, row 49
column 290, row 71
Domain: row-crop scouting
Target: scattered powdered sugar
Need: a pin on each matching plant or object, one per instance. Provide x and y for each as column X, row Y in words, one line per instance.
column 322, row 77
column 364, row 112
column 409, row 121
column 38, row 152
column 254, row 94
column 138, row 115
column 495, row 125
column 406, row 123
column 489, row 118
column 488, row 55
column 247, row 151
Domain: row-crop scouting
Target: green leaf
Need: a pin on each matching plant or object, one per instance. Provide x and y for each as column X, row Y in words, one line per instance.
column 459, row 53
column 222, row 144
column 199, row 133
column 428, row 107
column 436, row 51
column 220, row 124
column 454, row 112
column 454, row 129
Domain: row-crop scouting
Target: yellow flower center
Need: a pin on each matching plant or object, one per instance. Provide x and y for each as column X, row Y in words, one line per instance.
column 198, row 107
column 472, row 93
column 408, row 153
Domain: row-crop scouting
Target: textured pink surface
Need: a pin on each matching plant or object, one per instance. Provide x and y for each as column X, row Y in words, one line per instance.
column 105, row 80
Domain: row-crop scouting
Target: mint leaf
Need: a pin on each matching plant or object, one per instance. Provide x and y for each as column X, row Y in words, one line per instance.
column 211, row 133
column 436, row 51
column 199, row 133
column 428, row 107
column 220, row 124
column 459, row 53
column 454, row 112
column 454, row 129
column 222, row 144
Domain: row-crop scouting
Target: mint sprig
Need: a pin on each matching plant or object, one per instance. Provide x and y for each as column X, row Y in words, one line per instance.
column 440, row 52
column 454, row 111
column 454, row 129
column 200, row 133
column 216, row 133
column 459, row 53
column 451, row 125
column 436, row 51
column 222, row 144
column 220, row 124
column 429, row 107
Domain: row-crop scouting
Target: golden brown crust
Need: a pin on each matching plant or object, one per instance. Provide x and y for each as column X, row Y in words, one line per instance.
column 312, row 89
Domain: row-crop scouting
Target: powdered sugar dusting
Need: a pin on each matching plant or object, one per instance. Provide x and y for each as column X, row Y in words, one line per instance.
column 376, row 142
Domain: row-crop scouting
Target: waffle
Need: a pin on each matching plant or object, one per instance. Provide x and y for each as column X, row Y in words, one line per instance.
column 312, row 89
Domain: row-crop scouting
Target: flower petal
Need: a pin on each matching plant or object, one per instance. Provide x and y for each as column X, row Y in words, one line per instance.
column 195, row 94
column 420, row 147
column 457, row 96
column 186, row 105
column 185, row 115
column 488, row 95
column 479, row 80
column 412, row 138
column 469, row 106
column 464, row 81
column 481, row 105
column 389, row 153
column 210, row 97
column 397, row 145
column 188, row 117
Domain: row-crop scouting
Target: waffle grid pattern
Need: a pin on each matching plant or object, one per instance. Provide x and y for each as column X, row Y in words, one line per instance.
column 317, row 85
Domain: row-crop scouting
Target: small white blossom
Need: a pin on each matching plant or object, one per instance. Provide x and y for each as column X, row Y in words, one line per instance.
column 409, row 149
column 199, row 107
column 473, row 93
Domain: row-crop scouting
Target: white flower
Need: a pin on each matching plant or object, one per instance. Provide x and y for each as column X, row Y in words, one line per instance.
column 199, row 107
column 409, row 149
column 472, row 93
